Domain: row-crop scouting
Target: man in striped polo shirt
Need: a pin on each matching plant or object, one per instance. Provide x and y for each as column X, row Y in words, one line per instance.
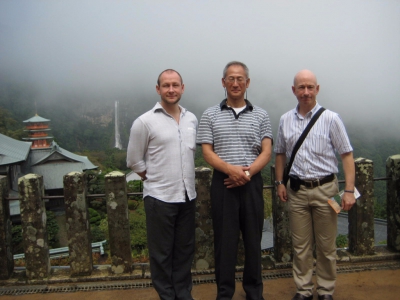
column 236, row 140
column 312, row 182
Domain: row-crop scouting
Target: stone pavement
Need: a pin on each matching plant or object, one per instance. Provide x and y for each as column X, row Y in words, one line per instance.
column 373, row 284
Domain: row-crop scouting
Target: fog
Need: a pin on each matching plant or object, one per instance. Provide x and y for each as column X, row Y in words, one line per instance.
column 108, row 50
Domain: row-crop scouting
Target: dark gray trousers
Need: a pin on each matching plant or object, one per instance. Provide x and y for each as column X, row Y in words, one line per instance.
column 170, row 239
column 234, row 210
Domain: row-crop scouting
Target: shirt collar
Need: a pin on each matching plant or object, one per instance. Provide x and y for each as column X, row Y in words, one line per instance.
column 310, row 113
column 223, row 105
column 158, row 107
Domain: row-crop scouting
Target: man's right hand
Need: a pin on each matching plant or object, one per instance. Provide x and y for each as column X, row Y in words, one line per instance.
column 237, row 176
column 281, row 191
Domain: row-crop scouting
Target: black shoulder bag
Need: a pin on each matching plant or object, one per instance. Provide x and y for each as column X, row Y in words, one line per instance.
column 299, row 142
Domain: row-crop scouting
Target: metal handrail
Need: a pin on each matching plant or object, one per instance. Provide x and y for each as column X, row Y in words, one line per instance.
column 265, row 187
column 64, row 251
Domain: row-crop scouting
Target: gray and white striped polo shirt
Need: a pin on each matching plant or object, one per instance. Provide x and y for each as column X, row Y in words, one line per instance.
column 236, row 138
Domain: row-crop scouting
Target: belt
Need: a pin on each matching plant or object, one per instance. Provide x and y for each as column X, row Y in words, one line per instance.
column 318, row 182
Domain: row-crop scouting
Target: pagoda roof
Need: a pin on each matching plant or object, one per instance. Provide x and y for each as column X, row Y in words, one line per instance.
column 13, row 151
column 38, row 138
column 36, row 119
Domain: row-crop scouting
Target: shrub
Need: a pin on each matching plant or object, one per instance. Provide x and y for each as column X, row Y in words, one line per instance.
column 94, row 217
column 97, row 234
column 17, row 246
column 137, row 226
column 52, row 229
column 133, row 204
column 341, row 241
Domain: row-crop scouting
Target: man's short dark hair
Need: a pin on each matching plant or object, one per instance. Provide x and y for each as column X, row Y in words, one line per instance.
column 235, row 63
column 168, row 70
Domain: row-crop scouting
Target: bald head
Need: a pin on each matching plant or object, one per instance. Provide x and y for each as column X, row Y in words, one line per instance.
column 305, row 88
column 305, row 74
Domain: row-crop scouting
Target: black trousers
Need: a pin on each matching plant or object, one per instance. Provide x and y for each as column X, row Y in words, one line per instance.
column 234, row 210
column 170, row 238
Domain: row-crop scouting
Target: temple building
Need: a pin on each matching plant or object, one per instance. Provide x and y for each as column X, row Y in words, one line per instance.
column 38, row 128
column 39, row 155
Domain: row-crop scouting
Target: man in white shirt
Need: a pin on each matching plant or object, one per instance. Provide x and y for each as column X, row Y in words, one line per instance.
column 312, row 182
column 161, row 151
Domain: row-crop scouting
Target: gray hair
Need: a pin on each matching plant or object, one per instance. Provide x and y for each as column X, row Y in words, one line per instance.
column 236, row 63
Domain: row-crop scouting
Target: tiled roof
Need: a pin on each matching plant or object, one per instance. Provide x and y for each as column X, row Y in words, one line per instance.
column 36, row 119
column 12, row 151
column 55, row 162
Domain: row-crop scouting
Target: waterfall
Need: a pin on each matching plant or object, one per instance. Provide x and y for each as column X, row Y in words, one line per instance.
column 117, row 136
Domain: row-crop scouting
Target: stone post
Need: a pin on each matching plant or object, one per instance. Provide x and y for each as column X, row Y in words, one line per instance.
column 78, row 226
column 393, row 202
column 283, row 249
column 6, row 256
column 204, row 253
column 118, row 222
column 361, row 215
column 34, row 231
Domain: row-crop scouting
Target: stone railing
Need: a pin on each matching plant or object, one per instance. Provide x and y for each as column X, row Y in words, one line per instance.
column 33, row 221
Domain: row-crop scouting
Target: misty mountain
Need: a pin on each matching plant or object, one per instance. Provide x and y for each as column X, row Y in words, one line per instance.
column 80, row 122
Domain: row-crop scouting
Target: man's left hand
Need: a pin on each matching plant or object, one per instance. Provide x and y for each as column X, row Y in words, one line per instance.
column 348, row 201
column 240, row 178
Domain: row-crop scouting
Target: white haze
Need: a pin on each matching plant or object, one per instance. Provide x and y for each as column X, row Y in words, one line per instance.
column 116, row 49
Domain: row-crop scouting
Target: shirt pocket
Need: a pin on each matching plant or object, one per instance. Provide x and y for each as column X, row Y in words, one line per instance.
column 189, row 136
column 319, row 144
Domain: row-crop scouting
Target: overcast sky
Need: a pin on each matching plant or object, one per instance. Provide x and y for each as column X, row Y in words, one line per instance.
column 115, row 49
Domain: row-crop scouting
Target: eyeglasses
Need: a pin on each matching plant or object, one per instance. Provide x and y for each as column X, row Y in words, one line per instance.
column 239, row 80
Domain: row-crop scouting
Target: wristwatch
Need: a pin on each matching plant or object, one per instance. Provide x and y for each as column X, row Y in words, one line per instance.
column 279, row 182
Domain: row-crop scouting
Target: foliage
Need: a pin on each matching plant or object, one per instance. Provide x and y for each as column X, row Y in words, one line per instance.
column 94, row 217
column 341, row 241
column 133, row 204
column 135, row 186
column 95, row 182
column 97, row 234
column 103, row 226
column 16, row 239
column 52, row 229
column 140, row 256
column 137, row 226
column 9, row 126
column 380, row 209
column 199, row 160
column 99, row 204
column 267, row 203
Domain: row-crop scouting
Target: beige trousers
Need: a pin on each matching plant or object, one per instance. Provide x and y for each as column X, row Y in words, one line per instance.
column 313, row 220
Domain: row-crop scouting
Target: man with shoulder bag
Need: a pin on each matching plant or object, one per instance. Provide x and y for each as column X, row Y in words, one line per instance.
column 309, row 135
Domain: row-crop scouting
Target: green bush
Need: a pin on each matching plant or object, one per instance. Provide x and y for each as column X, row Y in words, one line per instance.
column 104, row 228
column 137, row 226
column 94, row 217
column 341, row 241
column 16, row 239
column 97, row 234
column 52, row 230
column 133, row 204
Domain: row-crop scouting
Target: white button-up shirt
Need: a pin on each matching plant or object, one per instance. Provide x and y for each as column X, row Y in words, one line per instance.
column 316, row 157
column 165, row 150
